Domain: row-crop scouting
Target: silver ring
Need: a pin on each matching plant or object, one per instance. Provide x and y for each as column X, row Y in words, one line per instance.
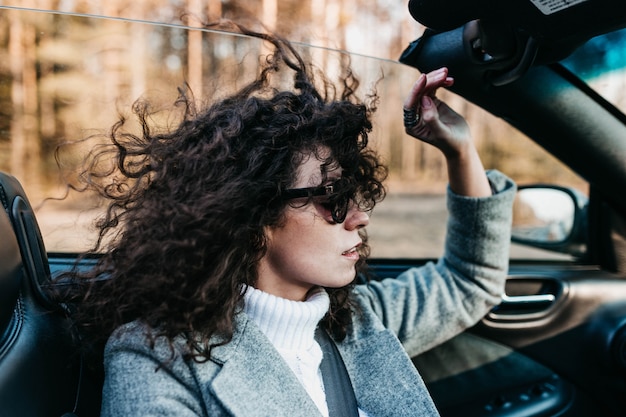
column 410, row 118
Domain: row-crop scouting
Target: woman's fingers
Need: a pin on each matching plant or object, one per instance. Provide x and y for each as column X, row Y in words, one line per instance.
column 436, row 79
column 412, row 100
column 426, row 84
column 420, row 106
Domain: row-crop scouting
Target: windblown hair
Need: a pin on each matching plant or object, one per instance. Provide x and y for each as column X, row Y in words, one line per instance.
column 187, row 208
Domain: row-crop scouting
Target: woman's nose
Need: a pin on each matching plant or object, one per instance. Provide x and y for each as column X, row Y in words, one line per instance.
column 356, row 219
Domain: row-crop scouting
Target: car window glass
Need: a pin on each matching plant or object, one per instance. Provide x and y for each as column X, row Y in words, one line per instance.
column 601, row 62
column 86, row 71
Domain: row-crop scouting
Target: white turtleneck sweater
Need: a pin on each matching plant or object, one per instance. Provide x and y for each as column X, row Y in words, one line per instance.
column 290, row 327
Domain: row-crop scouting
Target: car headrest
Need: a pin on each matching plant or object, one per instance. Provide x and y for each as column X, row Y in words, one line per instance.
column 10, row 272
column 28, row 234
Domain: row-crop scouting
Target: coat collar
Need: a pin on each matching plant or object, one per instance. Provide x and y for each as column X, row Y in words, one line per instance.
column 254, row 377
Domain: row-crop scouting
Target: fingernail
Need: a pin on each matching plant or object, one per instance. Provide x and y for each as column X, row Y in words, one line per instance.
column 426, row 102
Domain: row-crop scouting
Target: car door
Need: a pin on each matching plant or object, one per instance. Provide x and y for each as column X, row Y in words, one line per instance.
column 556, row 346
column 563, row 357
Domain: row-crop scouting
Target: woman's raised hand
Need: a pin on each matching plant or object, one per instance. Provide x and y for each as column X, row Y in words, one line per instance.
column 431, row 120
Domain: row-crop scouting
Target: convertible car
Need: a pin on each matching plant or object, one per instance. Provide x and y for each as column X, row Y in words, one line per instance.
column 553, row 72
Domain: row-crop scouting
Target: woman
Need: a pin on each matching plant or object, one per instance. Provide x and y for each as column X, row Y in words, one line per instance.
column 242, row 231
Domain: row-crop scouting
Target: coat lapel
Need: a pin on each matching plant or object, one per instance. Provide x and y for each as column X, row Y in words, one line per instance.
column 254, row 380
column 385, row 380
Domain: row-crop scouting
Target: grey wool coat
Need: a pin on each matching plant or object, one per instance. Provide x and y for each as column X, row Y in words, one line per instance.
column 399, row 318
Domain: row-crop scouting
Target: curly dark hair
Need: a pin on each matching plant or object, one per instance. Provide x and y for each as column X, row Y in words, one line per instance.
column 187, row 208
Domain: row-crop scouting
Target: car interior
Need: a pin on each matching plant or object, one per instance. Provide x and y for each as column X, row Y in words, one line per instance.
column 41, row 371
column 506, row 59
column 487, row 56
column 556, row 346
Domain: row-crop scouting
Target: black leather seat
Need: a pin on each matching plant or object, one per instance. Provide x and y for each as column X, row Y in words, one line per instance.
column 41, row 372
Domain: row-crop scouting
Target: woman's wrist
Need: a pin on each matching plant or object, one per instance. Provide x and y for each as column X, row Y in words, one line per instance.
column 466, row 173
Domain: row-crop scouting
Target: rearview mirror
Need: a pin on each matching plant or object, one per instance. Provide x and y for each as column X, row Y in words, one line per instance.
column 549, row 217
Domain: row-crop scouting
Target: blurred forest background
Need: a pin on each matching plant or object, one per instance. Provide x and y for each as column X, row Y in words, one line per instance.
column 62, row 75
column 70, row 74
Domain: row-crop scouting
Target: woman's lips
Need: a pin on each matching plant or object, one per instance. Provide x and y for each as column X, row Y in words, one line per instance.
column 352, row 253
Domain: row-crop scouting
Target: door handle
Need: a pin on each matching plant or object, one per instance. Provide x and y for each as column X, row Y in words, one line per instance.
column 521, row 305
column 527, row 300
column 532, row 298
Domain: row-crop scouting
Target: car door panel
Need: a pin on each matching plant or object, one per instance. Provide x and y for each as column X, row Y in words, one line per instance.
column 471, row 376
column 559, row 353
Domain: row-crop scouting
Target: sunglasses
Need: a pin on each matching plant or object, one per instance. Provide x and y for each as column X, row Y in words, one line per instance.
column 333, row 198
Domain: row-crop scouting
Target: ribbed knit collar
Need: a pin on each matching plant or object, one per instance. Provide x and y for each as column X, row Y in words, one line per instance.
column 288, row 324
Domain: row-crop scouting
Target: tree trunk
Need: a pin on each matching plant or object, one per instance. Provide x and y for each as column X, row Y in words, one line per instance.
column 318, row 19
column 25, row 145
column 138, row 42
column 214, row 9
column 194, row 47
column 270, row 14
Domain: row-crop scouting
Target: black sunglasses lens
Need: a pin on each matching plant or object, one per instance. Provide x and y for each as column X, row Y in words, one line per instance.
column 339, row 208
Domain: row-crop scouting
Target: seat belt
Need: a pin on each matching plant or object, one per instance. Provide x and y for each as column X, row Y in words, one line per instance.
column 340, row 396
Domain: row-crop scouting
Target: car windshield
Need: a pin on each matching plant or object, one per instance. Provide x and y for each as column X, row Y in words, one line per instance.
column 71, row 77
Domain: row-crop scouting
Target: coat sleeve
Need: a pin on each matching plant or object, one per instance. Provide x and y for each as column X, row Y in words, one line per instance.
column 146, row 382
column 428, row 305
